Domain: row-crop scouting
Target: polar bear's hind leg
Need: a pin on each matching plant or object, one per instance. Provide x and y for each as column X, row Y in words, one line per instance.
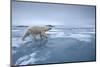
column 25, row 35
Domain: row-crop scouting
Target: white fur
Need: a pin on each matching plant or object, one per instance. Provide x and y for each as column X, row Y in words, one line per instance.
column 36, row 30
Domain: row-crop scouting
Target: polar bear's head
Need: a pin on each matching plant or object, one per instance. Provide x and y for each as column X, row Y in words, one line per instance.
column 49, row 27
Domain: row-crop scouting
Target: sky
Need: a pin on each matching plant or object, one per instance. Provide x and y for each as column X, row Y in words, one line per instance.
column 30, row 13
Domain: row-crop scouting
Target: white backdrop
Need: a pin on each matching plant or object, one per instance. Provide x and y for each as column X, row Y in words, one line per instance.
column 5, row 33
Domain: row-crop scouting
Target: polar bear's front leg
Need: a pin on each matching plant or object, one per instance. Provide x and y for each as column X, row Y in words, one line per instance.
column 43, row 34
column 33, row 36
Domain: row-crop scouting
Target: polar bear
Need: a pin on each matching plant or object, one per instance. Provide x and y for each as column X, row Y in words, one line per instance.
column 37, row 30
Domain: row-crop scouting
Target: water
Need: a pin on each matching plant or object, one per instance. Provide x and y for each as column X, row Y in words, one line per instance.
column 62, row 45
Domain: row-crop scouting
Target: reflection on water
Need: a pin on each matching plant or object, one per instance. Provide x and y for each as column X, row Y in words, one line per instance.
column 62, row 45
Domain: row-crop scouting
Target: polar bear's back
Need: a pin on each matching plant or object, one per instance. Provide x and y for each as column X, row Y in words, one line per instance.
column 37, row 29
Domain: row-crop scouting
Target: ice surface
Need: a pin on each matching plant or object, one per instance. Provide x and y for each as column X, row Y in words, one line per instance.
column 62, row 45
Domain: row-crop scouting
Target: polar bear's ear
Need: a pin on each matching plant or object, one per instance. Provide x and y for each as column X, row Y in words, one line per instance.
column 50, row 26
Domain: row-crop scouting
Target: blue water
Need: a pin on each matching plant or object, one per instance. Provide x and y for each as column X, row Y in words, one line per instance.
column 62, row 45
